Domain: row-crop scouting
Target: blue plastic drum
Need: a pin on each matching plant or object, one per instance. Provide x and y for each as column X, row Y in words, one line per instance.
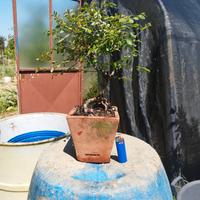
column 59, row 176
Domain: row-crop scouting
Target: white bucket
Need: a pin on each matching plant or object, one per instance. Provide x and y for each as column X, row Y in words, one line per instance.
column 18, row 160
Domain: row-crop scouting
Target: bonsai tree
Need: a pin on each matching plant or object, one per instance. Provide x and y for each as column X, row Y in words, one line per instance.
column 94, row 37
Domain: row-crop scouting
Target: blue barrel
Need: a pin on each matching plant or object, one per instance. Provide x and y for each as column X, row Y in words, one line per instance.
column 59, row 176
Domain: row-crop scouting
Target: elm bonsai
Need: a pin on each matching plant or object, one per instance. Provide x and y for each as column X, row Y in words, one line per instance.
column 93, row 37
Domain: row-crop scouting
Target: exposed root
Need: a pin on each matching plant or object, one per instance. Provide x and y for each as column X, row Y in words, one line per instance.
column 97, row 106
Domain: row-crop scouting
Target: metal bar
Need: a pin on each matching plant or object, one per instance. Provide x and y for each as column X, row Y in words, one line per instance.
column 51, row 30
column 81, row 2
column 81, row 79
column 81, row 74
column 16, row 43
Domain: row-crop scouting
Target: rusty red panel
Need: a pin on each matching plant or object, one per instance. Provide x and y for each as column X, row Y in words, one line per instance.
column 50, row 92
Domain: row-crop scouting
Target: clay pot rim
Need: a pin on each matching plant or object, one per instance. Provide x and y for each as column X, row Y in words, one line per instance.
column 70, row 115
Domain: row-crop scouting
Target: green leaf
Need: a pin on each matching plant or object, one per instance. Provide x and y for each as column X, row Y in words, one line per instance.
column 136, row 25
column 141, row 16
column 129, row 41
column 143, row 69
column 123, row 20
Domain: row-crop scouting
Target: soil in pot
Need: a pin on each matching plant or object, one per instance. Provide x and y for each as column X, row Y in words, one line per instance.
column 97, row 106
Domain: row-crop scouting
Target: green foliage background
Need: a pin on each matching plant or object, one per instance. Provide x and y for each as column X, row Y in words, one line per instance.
column 90, row 33
column 8, row 100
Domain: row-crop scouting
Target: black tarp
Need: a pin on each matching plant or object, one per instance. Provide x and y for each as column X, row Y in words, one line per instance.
column 163, row 107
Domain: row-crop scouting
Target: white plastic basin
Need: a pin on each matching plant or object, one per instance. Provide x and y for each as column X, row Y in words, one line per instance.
column 18, row 160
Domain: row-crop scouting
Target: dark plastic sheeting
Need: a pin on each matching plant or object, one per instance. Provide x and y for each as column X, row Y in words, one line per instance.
column 163, row 107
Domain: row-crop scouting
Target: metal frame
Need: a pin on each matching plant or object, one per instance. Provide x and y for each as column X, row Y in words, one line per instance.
column 14, row 8
column 16, row 43
column 81, row 2
column 50, row 28
column 14, row 3
column 21, row 72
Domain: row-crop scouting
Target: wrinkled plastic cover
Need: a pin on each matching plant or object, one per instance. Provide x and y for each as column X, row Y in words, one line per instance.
column 163, row 107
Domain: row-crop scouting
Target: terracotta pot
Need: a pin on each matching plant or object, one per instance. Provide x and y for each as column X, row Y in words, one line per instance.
column 93, row 136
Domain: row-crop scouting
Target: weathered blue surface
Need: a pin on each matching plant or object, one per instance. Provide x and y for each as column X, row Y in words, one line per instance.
column 96, row 173
column 97, row 178
column 59, row 176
